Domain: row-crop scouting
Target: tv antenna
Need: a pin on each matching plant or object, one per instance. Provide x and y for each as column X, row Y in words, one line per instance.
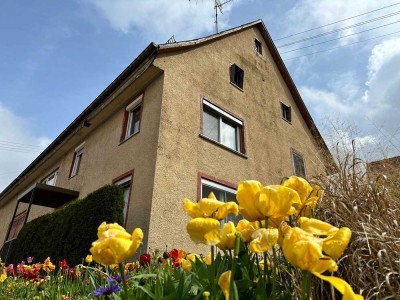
column 218, row 6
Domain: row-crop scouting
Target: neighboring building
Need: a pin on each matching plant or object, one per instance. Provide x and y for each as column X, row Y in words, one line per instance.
column 183, row 119
column 389, row 167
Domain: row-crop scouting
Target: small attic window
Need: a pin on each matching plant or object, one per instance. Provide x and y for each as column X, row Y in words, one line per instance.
column 237, row 76
column 258, row 46
column 286, row 113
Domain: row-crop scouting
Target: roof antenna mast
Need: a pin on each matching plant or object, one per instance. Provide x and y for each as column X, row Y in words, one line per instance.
column 218, row 5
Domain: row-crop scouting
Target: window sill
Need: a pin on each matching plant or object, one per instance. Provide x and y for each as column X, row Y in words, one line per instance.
column 287, row 121
column 239, row 88
column 223, row 146
column 128, row 138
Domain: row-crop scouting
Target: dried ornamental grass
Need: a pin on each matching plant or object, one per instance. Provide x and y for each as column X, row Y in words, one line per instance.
column 369, row 204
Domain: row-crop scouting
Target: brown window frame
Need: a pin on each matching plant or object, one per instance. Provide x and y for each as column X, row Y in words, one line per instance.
column 120, row 178
column 294, row 153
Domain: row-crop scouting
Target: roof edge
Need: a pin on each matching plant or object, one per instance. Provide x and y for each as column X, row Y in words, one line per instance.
column 192, row 43
column 146, row 53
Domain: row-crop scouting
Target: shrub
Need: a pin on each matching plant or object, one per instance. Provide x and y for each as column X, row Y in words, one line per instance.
column 69, row 231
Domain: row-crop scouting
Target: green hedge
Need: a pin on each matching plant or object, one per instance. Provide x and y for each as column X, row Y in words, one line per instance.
column 68, row 232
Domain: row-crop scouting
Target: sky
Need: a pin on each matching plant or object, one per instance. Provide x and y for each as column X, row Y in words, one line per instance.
column 56, row 57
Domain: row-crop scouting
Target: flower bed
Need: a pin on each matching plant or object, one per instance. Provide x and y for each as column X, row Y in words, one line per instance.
column 273, row 253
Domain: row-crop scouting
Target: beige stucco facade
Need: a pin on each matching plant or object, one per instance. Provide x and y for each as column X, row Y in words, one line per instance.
column 168, row 156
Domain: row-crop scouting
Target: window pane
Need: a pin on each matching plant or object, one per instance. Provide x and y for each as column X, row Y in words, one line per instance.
column 299, row 168
column 127, row 189
column 210, row 125
column 134, row 120
column 229, row 136
column 206, row 190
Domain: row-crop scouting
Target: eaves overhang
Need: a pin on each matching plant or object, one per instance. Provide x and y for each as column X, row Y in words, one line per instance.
column 149, row 51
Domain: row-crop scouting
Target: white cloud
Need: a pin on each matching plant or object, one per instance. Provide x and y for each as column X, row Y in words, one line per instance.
column 374, row 107
column 18, row 146
column 311, row 14
column 160, row 19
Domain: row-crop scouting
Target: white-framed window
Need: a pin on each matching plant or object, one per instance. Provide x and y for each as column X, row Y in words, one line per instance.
column 298, row 164
column 51, row 179
column 222, row 127
column 134, row 111
column 222, row 193
column 286, row 112
column 78, row 154
column 126, row 184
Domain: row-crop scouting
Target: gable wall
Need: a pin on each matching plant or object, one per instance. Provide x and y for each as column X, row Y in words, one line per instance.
column 204, row 71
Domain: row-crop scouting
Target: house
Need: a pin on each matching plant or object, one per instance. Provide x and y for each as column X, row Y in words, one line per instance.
column 183, row 119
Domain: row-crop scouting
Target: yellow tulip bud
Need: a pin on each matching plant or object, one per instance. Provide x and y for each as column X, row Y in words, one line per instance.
column 227, row 236
column 89, row 258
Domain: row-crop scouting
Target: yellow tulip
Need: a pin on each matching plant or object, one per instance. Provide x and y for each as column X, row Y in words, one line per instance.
column 264, row 239
column 89, row 258
column 308, row 195
column 246, row 229
column 204, row 230
column 210, row 208
column 247, row 193
column 304, row 250
column 187, row 262
column 227, row 236
column 300, row 185
column 334, row 245
column 336, row 239
column 48, row 265
column 207, row 259
column 277, row 201
column 192, row 257
column 3, row 277
column 114, row 244
column 224, row 283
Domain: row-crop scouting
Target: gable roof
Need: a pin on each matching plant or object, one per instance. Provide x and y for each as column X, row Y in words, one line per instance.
column 151, row 51
column 279, row 62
